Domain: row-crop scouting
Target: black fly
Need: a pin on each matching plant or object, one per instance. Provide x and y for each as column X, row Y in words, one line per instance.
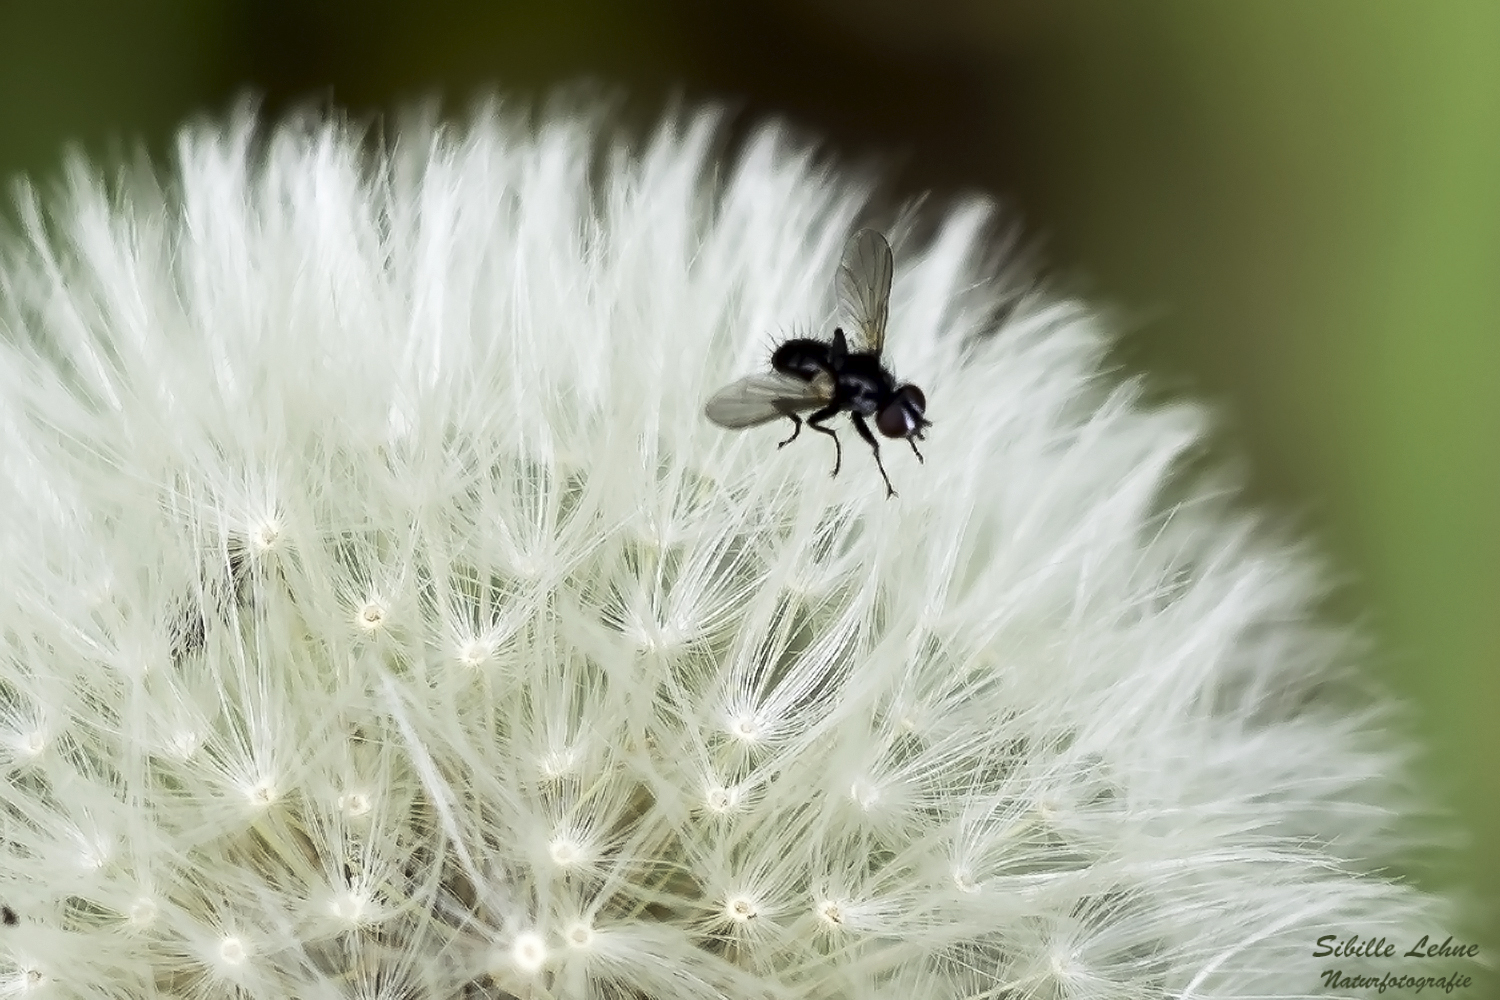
column 833, row 376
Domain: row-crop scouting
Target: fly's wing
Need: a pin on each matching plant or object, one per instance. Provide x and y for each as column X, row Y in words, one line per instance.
column 864, row 290
column 758, row 399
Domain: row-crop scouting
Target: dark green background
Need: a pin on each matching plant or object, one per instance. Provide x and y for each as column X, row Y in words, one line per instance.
column 1296, row 206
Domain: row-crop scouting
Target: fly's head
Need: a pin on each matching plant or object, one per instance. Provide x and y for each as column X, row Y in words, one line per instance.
column 903, row 416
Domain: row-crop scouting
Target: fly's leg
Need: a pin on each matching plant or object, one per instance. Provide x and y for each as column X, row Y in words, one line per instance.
column 816, row 423
column 798, row 429
column 864, row 432
column 913, row 444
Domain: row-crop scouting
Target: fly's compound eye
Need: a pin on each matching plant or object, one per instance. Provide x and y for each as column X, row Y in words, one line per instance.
column 902, row 416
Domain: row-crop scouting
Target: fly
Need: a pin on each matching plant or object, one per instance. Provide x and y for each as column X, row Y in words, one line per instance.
column 835, row 376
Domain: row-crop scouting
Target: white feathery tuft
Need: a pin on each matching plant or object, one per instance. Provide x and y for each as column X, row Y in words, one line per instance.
column 384, row 618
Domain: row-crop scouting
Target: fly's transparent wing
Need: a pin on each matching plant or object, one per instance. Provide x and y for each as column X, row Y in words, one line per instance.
column 864, row 290
column 757, row 399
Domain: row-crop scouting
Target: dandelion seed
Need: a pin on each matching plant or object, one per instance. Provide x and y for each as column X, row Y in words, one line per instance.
column 183, row 744
column 529, row 568
column 566, row 851
column 747, row 727
column 741, row 909
column 720, row 799
column 831, row 914
column 371, row 616
column 95, row 855
column 30, row 745
column 558, row 764
column 529, row 953
column 354, row 804
column 579, row 935
column 27, row 979
column 232, row 951
column 475, row 654
column 265, row 535
column 142, row 913
column 261, row 794
column 866, row 794
column 352, row 908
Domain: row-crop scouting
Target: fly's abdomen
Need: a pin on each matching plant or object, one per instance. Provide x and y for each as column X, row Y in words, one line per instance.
column 804, row 359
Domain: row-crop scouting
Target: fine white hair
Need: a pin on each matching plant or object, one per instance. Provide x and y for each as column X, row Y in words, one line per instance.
column 383, row 618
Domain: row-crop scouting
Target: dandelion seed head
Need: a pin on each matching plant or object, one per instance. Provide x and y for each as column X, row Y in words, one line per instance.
column 380, row 598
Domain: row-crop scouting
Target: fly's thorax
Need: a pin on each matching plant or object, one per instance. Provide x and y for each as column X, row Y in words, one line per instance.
column 863, row 384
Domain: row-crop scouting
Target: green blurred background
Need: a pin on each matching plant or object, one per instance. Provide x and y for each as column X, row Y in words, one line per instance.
column 1295, row 206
